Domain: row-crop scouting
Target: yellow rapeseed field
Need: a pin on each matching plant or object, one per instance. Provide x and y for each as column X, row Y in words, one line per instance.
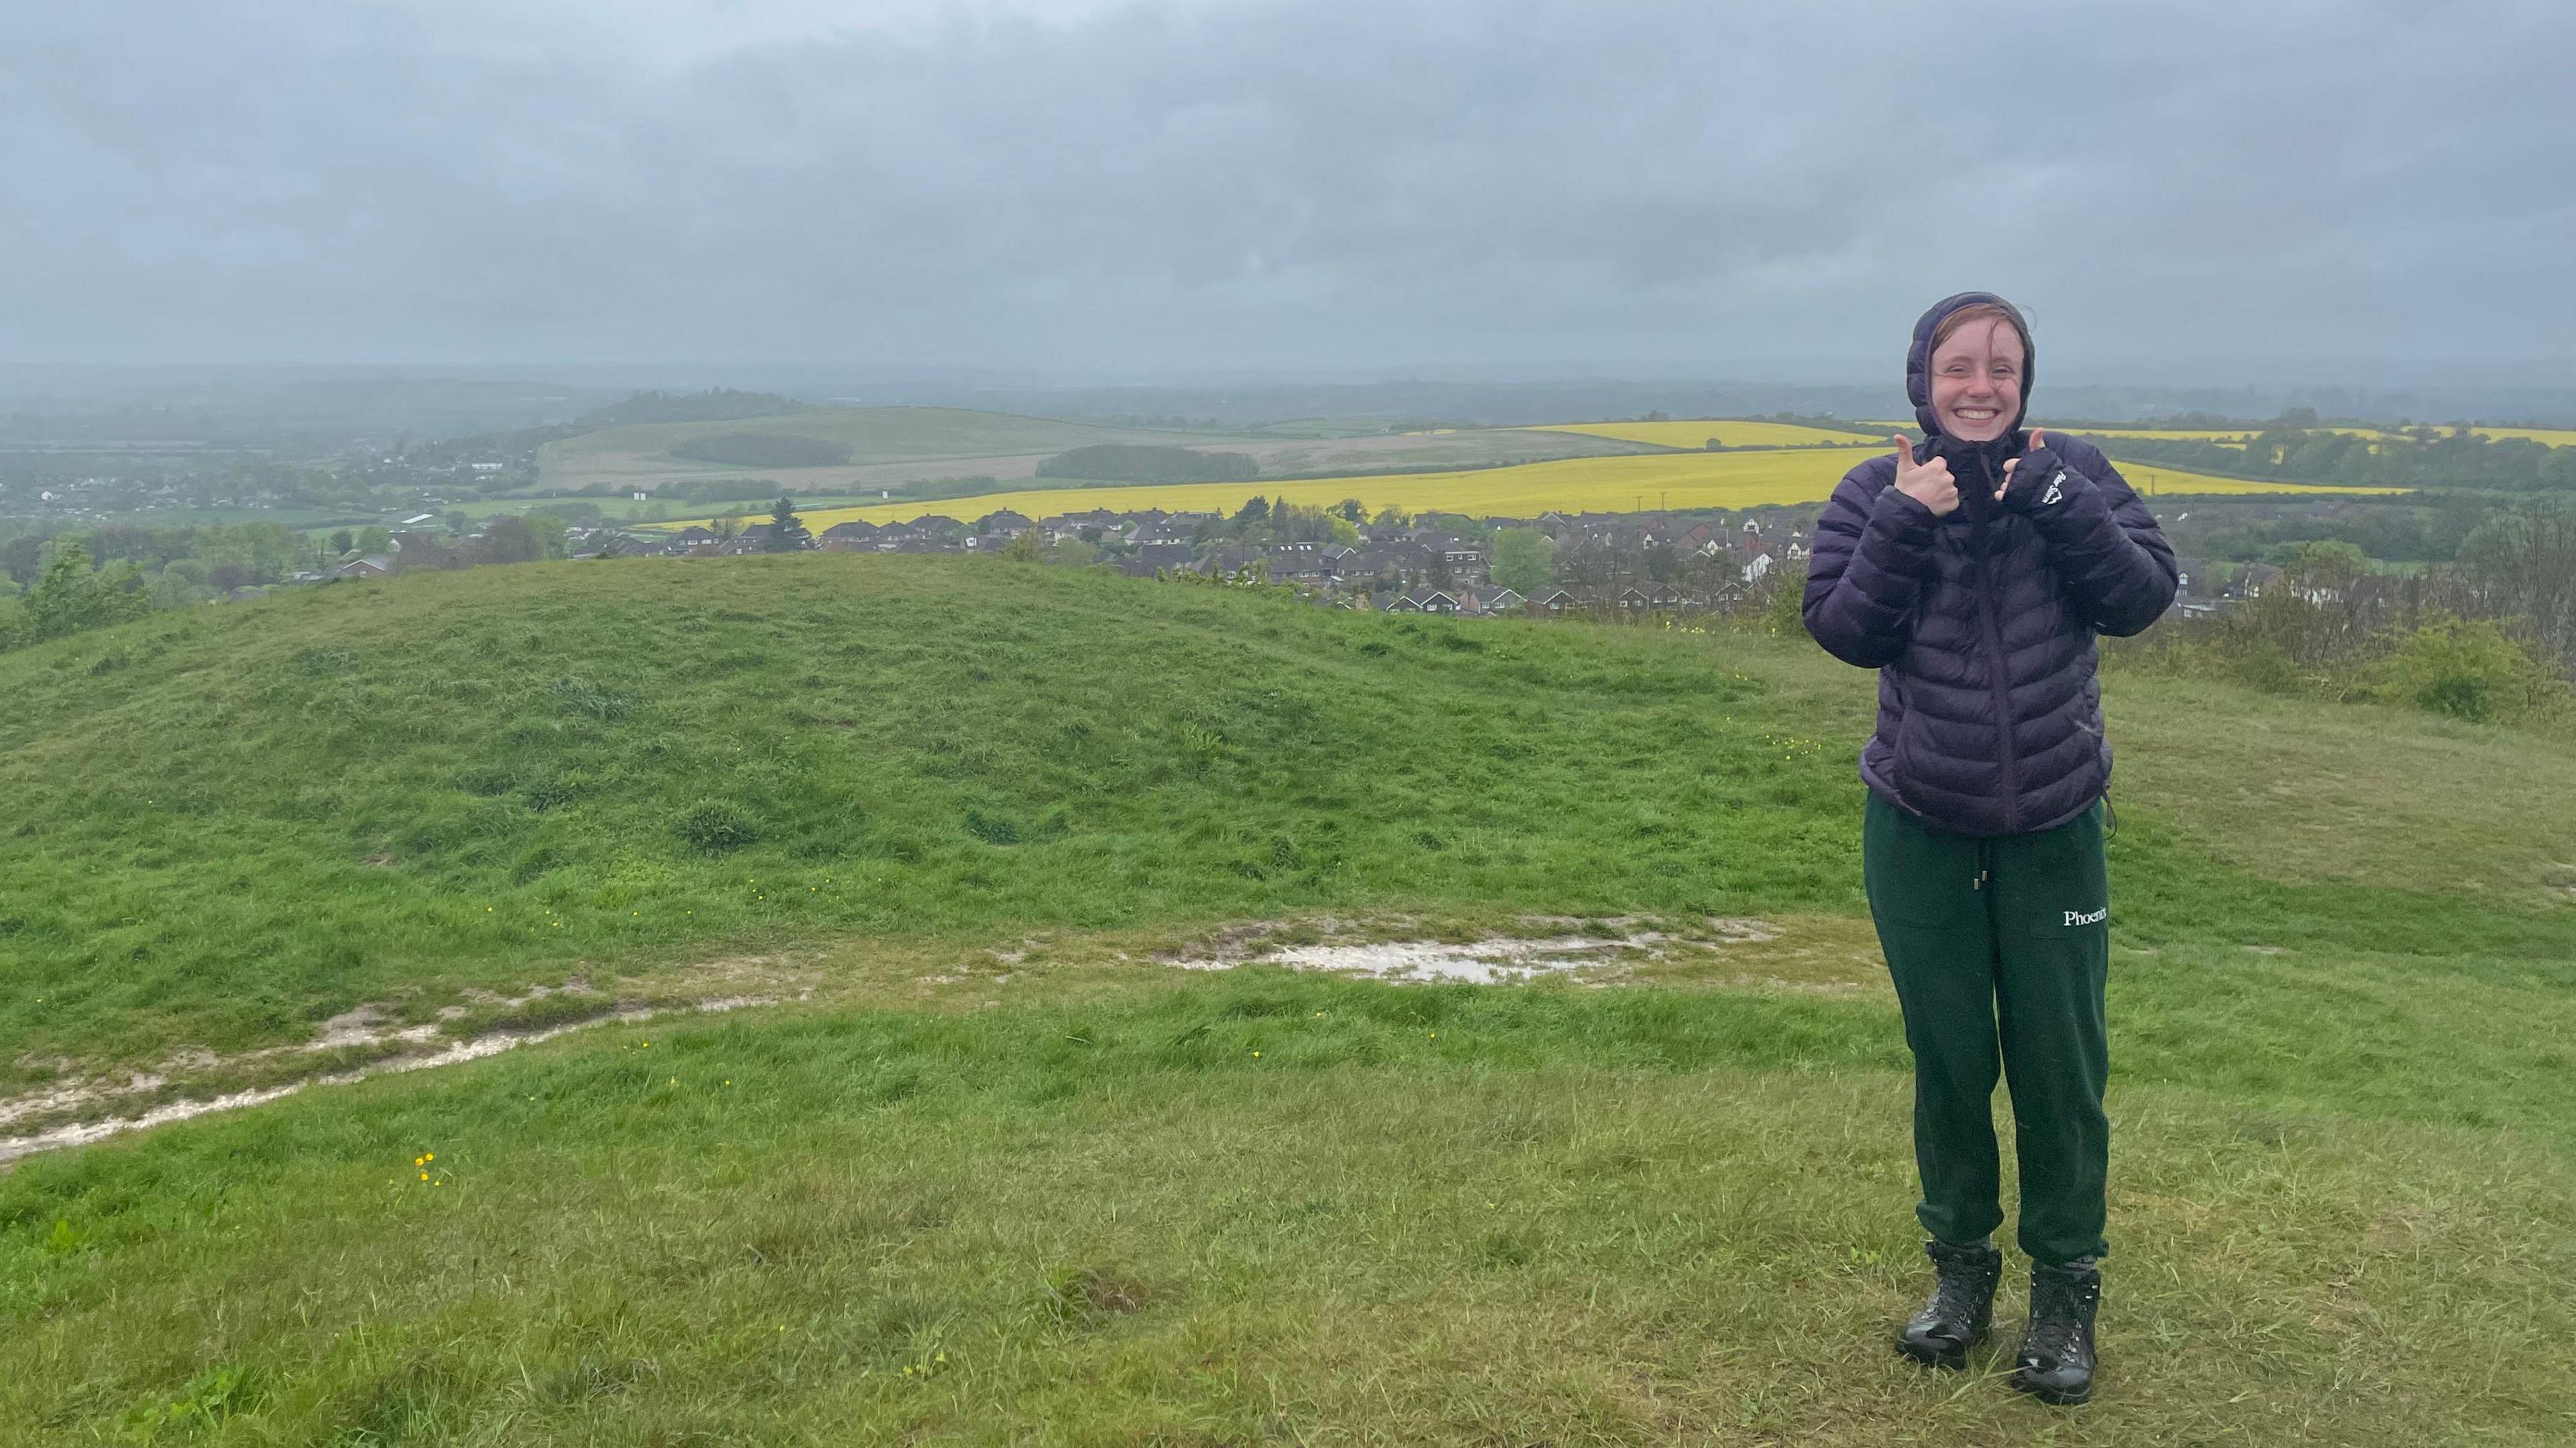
column 2549, row 436
column 2546, row 436
column 1612, row 484
column 1697, row 432
column 2553, row 436
column 2178, row 434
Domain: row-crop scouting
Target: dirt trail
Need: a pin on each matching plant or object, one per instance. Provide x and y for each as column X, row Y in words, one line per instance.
column 1804, row 954
column 353, row 1029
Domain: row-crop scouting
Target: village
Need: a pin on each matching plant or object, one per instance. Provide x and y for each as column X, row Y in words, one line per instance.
column 1596, row 564
column 1590, row 564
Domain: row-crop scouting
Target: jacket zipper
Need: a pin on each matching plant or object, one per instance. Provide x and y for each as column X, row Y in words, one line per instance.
column 2001, row 667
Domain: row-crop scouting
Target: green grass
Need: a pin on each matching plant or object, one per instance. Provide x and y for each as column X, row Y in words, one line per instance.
column 2343, row 1008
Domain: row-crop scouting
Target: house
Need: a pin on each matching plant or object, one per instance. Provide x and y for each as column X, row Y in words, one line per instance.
column 415, row 549
column 1003, row 524
column 374, row 565
column 856, row 535
column 2255, row 577
column 1552, row 600
column 1494, row 600
column 1429, row 600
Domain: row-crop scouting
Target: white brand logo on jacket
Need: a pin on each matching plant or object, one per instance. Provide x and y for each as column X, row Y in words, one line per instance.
column 2078, row 917
column 2054, row 495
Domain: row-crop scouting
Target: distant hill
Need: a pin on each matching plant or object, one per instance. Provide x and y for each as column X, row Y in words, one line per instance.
column 889, row 446
column 763, row 450
column 1129, row 463
column 721, row 404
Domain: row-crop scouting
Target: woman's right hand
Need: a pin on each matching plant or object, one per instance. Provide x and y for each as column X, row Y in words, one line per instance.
column 1927, row 483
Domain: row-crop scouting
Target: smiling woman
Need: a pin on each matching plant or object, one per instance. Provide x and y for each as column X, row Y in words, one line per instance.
column 1974, row 577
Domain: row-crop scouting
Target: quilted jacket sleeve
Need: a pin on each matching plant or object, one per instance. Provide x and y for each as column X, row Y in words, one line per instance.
column 2117, row 568
column 1866, row 569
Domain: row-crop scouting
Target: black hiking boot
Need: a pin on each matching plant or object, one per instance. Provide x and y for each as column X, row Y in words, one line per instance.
column 2055, row 1364
column 1961, row 1307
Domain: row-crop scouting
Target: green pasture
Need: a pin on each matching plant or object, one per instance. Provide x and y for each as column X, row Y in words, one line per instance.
column 992, row 1172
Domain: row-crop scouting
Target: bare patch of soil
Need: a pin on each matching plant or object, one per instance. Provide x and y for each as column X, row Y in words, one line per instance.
column 358, row 1043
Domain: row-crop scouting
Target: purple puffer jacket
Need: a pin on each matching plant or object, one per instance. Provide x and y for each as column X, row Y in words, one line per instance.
column 1981, row 622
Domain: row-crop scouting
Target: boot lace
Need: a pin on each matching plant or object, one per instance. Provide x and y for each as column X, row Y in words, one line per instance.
column 2060, row 1309
column 1961, row 1282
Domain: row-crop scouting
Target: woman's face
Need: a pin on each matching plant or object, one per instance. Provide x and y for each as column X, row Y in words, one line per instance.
column 1976, row 380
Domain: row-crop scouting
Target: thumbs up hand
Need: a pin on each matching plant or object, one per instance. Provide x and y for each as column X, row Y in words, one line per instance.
column 2043, row 481
column 1927, row 483
column 2038, row 440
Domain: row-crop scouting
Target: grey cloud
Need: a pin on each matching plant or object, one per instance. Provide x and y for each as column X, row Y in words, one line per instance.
column 1291, row 185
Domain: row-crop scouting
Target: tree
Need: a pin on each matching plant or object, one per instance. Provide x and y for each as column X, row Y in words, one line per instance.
column 786, row 530
column 507, row 538
column 69, row 597
column 343, row 541
column 1351, row 509
column 23, row 559
column 1255, row 509
column 1524, row 560
column 1024, row 547
column 373, row 540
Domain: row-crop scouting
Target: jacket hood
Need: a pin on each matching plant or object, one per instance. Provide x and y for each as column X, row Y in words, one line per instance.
column 1918, row 375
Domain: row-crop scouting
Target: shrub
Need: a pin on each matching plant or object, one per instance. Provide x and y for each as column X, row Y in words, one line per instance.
column 2466, row 668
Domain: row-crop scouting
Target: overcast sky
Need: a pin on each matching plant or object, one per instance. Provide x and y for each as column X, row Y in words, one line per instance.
column 1082, row 188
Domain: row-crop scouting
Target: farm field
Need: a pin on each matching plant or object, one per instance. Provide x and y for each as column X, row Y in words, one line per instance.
column 1620, row 484
column 1696, row 433
column 994, row 1169
column 892, row 446
column 2178, row 434
column 2547, row 437
column 2553, row 437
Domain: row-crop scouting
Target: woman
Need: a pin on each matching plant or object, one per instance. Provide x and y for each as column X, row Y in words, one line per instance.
column 1973, row 573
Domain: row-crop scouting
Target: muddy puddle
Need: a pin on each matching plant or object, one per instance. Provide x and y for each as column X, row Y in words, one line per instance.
column 1602, row 954
column 357, row 1028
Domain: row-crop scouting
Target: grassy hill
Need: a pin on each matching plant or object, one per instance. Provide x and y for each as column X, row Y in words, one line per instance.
column 995, row 1173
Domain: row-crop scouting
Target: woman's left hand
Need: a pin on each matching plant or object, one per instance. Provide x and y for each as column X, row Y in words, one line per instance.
column 2038, row 440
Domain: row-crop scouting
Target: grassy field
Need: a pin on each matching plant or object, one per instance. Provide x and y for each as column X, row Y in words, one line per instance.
column 995, row 1174
column 1610, row 484
column 1690, row 433
column 891, row 446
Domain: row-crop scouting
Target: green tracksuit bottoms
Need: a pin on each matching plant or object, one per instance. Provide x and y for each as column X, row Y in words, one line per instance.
column 2000, row 947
